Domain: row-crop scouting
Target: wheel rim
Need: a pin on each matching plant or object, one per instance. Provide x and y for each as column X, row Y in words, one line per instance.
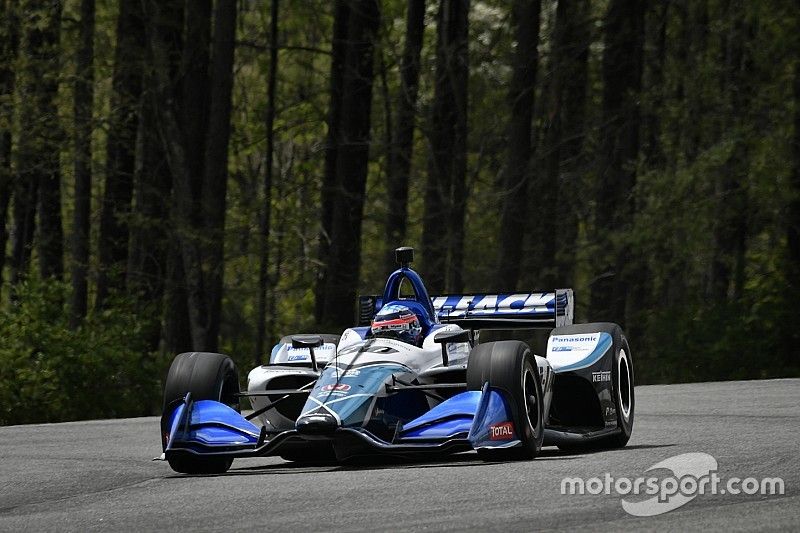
column 531, row 402
column 624, row 389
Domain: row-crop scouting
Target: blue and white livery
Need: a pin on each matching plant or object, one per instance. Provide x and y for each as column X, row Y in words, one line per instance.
column 336, row 397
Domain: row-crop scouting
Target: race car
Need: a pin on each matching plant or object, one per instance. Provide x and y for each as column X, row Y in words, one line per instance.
column 411, row 379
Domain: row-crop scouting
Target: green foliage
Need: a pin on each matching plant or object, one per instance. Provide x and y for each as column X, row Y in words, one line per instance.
column 705, row 120
column 51, row 373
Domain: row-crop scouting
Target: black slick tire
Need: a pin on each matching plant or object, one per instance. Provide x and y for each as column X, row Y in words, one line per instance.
column 509, row 366
column 622, row 384
column 207, row 376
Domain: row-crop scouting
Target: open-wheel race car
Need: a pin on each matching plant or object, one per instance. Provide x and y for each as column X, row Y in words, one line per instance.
column 412, row 379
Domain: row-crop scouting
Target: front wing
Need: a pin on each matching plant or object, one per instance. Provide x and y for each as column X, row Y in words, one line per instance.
column 469, row 420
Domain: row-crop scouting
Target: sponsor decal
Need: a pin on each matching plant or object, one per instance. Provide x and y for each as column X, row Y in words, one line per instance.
column 502, row 431
column 573, row 338
column 324, row 347
column 338, row 387
column 353, row 373
column 599, row 377
column 297, row 357
column 562, row 349
column 488, row 304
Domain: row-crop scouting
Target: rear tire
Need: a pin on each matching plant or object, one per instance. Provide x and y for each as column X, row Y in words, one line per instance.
column 509, row 366
column 622, row 385
column 207, row 376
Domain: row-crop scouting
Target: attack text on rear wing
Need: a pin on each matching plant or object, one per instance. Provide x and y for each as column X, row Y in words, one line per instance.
column 545, row 310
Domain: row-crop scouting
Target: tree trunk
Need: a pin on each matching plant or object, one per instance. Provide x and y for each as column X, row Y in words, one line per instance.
column 443, row 222
column 83, row 102
column 172, row 138
column 8, row 56
column 621, row 73
column 37, row 152
column 521, row 96
column 51, row 232
column 265, row 213
column 216, row 161
column 655, row 76
column 126, row 91
column 339, row 48
column 730, row 223
column 351, row 166
column 148, row 266
column 195, row 100
column 401, row 148
column 793, row 214
column 564, row 161
column 155, row 273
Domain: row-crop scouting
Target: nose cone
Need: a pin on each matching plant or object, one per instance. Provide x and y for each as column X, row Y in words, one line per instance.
column 316, row 424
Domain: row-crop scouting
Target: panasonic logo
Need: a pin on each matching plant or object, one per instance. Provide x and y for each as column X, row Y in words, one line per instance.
column 591, row 338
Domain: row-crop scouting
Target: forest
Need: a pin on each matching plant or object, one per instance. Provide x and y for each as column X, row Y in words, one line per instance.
column 210, row 175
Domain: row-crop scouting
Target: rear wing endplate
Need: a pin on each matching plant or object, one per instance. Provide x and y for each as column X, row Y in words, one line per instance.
column 544, row 310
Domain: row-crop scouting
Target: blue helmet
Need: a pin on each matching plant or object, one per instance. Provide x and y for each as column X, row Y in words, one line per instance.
column 396, row 321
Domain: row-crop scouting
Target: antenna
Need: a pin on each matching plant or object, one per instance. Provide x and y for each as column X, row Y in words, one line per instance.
column 404, row 256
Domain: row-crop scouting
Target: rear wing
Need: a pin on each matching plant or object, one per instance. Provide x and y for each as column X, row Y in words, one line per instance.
column 545, row 310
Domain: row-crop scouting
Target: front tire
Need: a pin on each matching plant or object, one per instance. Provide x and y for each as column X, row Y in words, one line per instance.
column 207, row 376
column 509, row 366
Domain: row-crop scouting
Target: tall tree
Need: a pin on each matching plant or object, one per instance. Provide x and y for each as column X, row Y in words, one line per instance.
column 265, row 212
column 730, row 224
column 443, row 222
column 216, row 160
column 521, row 96
column 351, row 165
column 37, row 152
column 657, row 18
column 9, row 42
column 164, row 99
column 401, row 147
column 152, row 271
column 564, row 160
column 195, row 100
column 793, row 215
column 339, row 45
column 201, row 255
column 622, row 76
column 83, row 99
column 126, row 90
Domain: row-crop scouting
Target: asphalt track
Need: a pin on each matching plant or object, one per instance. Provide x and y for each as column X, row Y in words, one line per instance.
column 98, row 475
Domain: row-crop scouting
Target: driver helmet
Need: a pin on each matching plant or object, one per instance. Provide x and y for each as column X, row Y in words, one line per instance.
column 397, row 322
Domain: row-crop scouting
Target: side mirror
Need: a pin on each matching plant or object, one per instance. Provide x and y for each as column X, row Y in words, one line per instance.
column 449, row 337
column 308, row 341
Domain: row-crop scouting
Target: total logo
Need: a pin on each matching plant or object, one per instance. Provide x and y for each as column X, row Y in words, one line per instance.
column 502, row 431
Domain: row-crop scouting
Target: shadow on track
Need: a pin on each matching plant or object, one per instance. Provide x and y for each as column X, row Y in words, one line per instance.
column 465, row 459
